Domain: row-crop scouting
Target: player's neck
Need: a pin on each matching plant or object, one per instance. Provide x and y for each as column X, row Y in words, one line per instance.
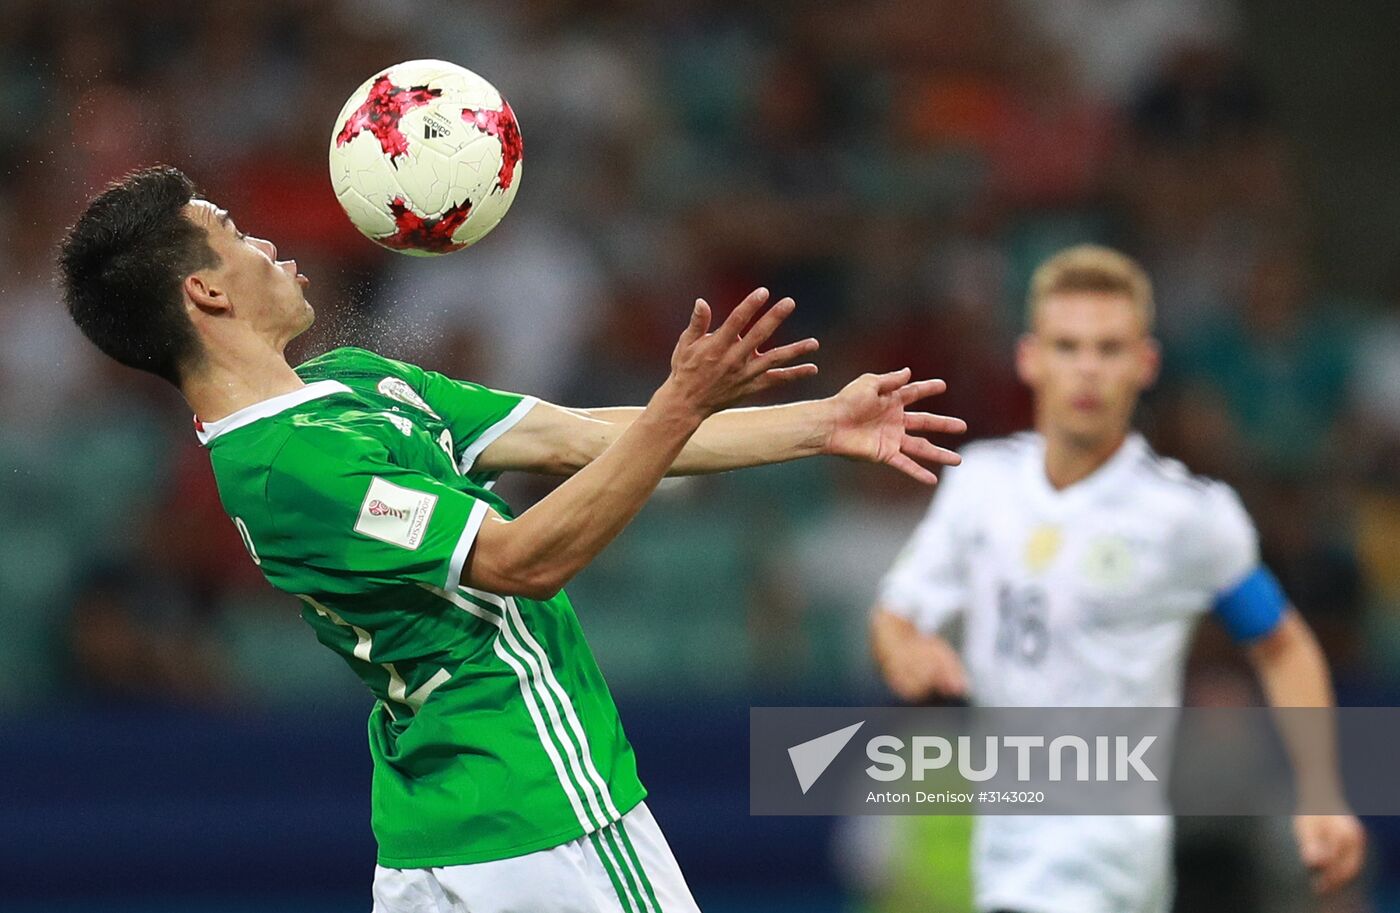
column 1069, row 460
column 237, row 376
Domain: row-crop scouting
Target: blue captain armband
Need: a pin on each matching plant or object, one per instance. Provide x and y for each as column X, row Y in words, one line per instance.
column 1254, row 607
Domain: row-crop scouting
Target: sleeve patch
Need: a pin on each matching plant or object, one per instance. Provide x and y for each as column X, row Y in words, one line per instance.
column 394, row 514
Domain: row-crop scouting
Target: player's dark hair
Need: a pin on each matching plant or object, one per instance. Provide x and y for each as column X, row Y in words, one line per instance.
column 123, row 263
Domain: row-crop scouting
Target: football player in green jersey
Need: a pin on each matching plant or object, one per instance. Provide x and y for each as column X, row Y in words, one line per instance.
column 361, row 485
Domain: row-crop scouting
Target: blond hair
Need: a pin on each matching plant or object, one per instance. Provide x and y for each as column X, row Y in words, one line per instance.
column 1095, row 269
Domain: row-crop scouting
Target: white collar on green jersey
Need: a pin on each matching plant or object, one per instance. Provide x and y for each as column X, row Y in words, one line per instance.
column 207, row 431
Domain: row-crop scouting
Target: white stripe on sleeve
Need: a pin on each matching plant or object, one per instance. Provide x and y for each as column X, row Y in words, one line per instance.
column 488, row 437
column 464, row 545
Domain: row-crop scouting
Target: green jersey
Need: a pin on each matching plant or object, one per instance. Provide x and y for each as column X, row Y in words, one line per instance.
column 494, row 734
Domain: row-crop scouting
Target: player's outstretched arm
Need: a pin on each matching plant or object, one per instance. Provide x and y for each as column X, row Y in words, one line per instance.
column 916, row 666
column 1293, row 672
column 535, row 554
column 871, row 419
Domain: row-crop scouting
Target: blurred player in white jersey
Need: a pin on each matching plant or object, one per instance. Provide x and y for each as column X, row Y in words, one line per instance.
column 1079, row 562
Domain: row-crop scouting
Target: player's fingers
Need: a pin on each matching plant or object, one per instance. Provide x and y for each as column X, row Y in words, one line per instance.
column 774, row 377
column 742, row 315
column 1349, row 848
column 1311, row 847
column 913, row 684
column 892, row 381
column 954, row 680
column 912, row 469
column 930, row 682
column 909, row 683
column 1353, row 859
column 783, row 354
column 699, row 322
column 1343, row 870
column 914, row 392
column 917, row 689
column 1332, row 874
column 1323, row 853
column 928, row 452
column 764, row 327
column 929, row 423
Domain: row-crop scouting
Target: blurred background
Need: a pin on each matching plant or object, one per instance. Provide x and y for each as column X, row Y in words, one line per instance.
column 173, row 738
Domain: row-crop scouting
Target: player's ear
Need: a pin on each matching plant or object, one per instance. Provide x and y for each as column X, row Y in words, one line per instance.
column 202, row 296
column 1027, row 359
column 1151, row 363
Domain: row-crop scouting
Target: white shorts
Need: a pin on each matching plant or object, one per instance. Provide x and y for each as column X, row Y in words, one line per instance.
column 624, row 868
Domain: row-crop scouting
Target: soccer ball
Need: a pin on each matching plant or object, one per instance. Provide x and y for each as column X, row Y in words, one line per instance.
column 425, row 157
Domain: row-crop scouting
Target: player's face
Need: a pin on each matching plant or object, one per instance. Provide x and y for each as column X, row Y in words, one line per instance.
column 1087, row 358
column 257, row 287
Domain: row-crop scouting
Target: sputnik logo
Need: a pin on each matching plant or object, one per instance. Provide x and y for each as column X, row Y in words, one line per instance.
column 811, row 758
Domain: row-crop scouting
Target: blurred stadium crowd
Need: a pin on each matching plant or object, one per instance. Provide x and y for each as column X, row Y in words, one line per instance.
column 899, row 168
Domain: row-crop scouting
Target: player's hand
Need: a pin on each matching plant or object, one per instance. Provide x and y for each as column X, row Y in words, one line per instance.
column 1332, row 847
column 923, row 667
column 870, row 422
column 711, row 370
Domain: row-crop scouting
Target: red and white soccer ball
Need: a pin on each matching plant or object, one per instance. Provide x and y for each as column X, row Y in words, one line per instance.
column 425, row 157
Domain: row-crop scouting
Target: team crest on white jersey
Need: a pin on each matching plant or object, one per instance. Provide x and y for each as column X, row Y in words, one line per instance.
column 398, row 388
column 1109, row 562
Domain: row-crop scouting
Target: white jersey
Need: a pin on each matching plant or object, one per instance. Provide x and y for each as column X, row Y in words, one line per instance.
column 1081, row 597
